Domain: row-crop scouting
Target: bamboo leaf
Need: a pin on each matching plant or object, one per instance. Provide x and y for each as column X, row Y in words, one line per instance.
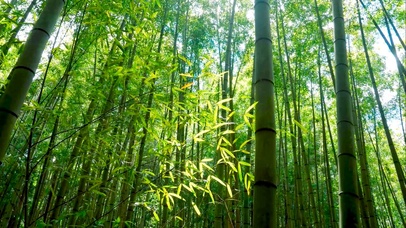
column 239, row 126
column 224, row 101
column 196, row 209
column 245, row 152
column 201, row 133
column 218, row 180
column 249, row 115
column 179, row 189
column 251, row 107
column 249, row 187
column 232, row 166
column 175, row 195
column 209, row 106
column 150, row 78
column 244, row 163
column 230, row 192
column 224, row 107
column 226, row 141
column 171, row 175
column 207, row 160
column 222, row 149
column 187, row 188
column 185, row 60
column 156, row 216
column 187, row 85
column 247, row 121
column 168, row 203
column 230, row 115
column 239, row 172
column 206, row 166
column 219, row 143
column 99, row 193
column 245, row 143
column 211, row 196
column 227, row 132
column 300, row 126
column 198, row 139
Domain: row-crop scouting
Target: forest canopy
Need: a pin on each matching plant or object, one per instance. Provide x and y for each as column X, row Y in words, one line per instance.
column 226, row 113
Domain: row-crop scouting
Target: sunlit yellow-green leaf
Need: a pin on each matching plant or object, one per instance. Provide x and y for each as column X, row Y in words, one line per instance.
column 196, row 209
column 247, row 121
column 187, row 62
column 198, row 139
column 227, row 151
column 239, row 126
column 218, row 180
column 251, row 107
column 245, row 143
column 227, row 132
column 224, row 107
column 156, row 216
column 186, row 86
column 244, row 163
column 211, row 196
column 226, row 141
column 187, row 188
column 152, row 77
column 239, row 172
column 230, row 115
column 230, row 192
column 219, row 143
column 175, row 195
column 304, row 130
column 209, row 106
column 179, row 189
column 249, row 187
column 206, row 166
column 171, row 175
column 224, row 101
column 201, row 133
column 231, row 165
column 168, row 203
column 207, row 160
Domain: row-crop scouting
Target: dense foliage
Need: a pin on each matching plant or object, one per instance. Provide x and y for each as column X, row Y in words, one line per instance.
column 141, row 114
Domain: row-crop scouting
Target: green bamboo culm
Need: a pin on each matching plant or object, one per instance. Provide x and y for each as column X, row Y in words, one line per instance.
column 347, row 163
column 265, row 135
column 23, row 72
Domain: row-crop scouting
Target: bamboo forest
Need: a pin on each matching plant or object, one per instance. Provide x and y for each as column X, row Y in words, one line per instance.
column 204, row 113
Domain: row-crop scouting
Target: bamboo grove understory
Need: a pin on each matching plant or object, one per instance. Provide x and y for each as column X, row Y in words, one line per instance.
column 171, row 113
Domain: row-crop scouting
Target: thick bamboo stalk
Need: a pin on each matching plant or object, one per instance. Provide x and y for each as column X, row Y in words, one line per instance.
column 23, row 72
column 347, row 163
column 265, row 134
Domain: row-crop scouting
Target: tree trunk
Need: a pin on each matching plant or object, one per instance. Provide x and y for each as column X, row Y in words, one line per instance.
column 395, row 158
column 265, row 134
column 23, row 72
column 347, row 163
